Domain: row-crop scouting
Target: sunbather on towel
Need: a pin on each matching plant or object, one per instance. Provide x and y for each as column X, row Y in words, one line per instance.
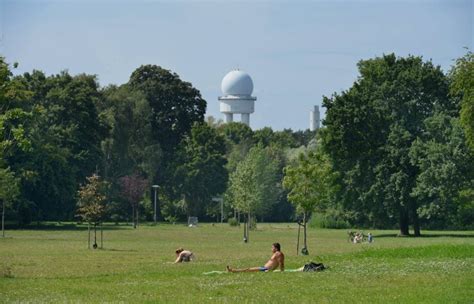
column 277, row 260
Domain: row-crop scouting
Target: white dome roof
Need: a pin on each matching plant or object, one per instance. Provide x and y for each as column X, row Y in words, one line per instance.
column 237, row 83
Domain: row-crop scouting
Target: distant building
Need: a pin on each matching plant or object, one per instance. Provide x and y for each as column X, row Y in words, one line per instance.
column 314, row 119
column 237, row 87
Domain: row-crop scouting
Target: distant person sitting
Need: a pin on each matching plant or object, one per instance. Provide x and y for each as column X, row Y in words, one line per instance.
column 358, row 238
column 277, row 260
column 183, row 256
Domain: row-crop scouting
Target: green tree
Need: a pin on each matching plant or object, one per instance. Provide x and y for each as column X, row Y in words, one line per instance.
column 202, row 170
column 446, row 171
column 370, row 129
column 263, row 136
column 239, row 140
column 16, row 125
column 9, row 190
column 175, row 105
column 303, row 138
column 65, row 138
column 462, row 75
column 308, row 181
column 14, row 113
column 91, row 203
column 214, row 122
column 236, row 132
column 130, row 146
column 71, row 105
column 254, row 185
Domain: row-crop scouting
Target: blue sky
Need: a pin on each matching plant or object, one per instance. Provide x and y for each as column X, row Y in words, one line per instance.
column 295, row 51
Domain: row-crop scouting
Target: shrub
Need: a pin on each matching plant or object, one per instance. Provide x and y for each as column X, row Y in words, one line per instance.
column 233, row 221
column 253, row 223
column 329, row 219
column 171, row 219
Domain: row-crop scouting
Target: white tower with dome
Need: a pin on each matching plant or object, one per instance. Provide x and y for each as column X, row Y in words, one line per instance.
column 237, row 87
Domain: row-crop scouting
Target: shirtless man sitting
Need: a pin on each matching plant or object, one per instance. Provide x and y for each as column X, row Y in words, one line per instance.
column 277, row 260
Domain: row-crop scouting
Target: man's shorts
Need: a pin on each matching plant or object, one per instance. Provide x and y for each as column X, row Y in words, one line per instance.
column 263, row 268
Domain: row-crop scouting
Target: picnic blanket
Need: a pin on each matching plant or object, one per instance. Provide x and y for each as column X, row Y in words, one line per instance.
column 222, row 272
column 310, row 267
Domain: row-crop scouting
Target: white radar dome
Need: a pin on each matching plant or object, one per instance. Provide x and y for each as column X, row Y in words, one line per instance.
column 237, row 83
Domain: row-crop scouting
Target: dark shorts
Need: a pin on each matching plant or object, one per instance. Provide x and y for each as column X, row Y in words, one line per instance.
column 263, row 268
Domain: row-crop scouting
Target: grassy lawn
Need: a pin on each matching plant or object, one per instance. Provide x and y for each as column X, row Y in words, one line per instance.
column 54, row 265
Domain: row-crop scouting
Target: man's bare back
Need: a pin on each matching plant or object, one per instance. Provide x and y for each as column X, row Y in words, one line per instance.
column 277, row 260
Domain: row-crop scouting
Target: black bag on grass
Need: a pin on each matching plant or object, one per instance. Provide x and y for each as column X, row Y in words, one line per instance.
column 312, row 267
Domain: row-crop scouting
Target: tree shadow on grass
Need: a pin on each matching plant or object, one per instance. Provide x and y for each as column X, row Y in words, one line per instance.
column 428, row 235
column 119, row 250
column 64, row 227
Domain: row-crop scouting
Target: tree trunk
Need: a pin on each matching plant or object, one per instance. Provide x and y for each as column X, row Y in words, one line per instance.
column 95, row 236
column 298, row 242
column 101, row 236
column 89, row 235
column 248, row 227
column 245, row 231
column 133, row 217
column 416, row 221
column 3, row 218
column 136, row 209
column 304, row 231
column 403, row 221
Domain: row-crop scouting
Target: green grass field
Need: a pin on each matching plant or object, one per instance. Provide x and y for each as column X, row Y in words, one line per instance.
column 54, row 265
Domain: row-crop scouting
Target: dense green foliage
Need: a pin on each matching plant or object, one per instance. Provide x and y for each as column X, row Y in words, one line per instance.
column 254, row 185
column 371, row 130
column 200, row 170
column 54, row 265
column 393, row 151
column 462, row 76
column 9, row 190
column 445, row 172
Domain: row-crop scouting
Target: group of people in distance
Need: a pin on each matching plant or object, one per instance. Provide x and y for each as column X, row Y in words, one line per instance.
column 359, row 237
column 277, row 260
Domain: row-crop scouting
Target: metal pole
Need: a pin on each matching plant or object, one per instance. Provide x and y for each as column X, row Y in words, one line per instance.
column 222, row 210
column 298, row 242
column 3, row 219
column 154, row 215
column 155, row 187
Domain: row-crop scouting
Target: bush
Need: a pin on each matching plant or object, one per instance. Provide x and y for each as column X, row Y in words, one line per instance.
column 328, row 220
column 253, row 223
column 171, row 219
column 233, row 221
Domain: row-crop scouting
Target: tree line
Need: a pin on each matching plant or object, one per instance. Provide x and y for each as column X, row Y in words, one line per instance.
column 395, row 150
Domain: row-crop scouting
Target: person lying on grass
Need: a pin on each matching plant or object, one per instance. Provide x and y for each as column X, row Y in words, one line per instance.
column 277, row 259
column 183, row 255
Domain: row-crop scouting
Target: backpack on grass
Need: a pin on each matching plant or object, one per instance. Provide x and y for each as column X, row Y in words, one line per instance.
column 312, row 267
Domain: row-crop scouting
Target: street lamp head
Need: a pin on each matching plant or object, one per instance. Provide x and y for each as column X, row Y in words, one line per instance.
column 155, row 186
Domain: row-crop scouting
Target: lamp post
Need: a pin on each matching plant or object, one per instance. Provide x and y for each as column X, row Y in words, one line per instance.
column 154, row 214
